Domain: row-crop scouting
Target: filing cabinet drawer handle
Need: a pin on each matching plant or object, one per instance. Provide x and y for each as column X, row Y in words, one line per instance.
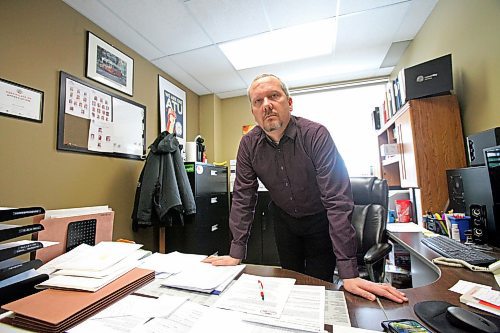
column 215, row 227
column 213, row 172
column 213, row 200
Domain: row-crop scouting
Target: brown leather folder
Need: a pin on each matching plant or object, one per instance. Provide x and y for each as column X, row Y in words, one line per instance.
column 56, row 230
column 54, row 310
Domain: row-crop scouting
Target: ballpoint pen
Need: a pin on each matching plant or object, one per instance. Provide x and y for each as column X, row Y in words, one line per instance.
column 261, row 289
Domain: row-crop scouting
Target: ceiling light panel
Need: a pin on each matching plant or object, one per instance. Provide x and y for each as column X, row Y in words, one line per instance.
column 283, row 45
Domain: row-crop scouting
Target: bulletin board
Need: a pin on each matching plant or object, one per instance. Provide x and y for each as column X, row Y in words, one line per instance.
column 95, row 121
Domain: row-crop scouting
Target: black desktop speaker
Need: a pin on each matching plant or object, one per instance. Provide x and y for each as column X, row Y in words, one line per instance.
column 471, row 186
column 476, row 143
column 478, row 224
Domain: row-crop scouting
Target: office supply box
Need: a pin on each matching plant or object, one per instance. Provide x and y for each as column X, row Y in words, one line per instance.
column 430, row 78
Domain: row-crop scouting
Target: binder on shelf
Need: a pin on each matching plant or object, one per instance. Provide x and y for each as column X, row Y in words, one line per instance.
column 8, row 231
column 14, row 249
column 11, row 267
column 20, row 287
column 56, row 230
column 17, row 213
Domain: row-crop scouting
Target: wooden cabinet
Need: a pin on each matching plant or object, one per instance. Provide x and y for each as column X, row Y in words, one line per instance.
column 428, row 133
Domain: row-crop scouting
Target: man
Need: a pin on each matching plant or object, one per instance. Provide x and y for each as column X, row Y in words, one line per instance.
column 298, row 162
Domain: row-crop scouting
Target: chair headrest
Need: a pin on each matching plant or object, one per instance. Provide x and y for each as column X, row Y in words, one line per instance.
column 369, row 190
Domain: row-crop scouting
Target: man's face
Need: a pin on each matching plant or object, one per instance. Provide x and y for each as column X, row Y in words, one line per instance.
column 271, row 108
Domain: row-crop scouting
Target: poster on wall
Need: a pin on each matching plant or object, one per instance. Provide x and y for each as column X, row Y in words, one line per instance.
column 172, row 109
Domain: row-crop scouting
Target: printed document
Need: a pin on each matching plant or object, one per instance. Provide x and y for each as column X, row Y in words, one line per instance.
column 336, row 312
column 129, row 314
column 265, row 296
column 304, row 310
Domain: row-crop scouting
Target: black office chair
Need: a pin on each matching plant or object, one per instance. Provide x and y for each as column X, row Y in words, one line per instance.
column 369, row 219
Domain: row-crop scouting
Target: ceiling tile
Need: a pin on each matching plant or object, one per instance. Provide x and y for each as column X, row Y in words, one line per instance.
column 415, row 17
column 168, row 66
column 209, row 66
column 284, row 13
column 167, row 24
column 355, row 6
column 364, row 30
column 115, row 26
column 225, row 20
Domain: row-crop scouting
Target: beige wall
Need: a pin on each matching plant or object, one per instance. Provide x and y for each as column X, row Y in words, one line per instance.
column 469, row 31
column 235, row 113
column 37, row 40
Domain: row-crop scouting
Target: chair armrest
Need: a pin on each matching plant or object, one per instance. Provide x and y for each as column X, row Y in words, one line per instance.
column 377, row 252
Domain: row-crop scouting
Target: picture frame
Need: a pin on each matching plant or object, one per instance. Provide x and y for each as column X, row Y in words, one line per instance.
column 20, row 101
column 108, row 65
column 172, row 108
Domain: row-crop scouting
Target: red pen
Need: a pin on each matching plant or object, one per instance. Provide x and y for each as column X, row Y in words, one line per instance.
column 261, row 289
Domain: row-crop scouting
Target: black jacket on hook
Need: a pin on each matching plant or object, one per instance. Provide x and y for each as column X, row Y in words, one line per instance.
column 163, row 193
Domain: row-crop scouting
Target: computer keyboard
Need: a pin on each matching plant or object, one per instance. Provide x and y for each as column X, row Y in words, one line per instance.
column 451, row 248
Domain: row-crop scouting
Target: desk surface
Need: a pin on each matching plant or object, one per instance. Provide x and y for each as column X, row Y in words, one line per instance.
column 366, row 314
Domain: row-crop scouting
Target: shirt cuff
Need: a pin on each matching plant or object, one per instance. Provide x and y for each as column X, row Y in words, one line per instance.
column 238, row 251
column 347, row 269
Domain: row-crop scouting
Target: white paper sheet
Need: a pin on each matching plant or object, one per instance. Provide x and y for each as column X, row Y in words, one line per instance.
column 203, row 277
column 173, row 262
column 245, row 295
column 336, row 312
column 304, row 310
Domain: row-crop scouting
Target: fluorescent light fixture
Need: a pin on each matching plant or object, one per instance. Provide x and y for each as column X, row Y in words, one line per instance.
column 293, row 43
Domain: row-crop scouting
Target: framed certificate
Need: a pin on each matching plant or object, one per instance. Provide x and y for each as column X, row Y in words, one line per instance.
column 20, row 101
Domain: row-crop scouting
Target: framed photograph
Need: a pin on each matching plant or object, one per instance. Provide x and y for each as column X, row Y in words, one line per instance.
column 172, row 109
column 20, row 101
column 108, row 65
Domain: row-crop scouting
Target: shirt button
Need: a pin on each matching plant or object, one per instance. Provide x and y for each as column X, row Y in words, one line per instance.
column 291, row 198
column 281, row 167
column 286, row 184
column 295, row 210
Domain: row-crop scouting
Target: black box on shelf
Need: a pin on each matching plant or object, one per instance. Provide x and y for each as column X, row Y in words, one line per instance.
column 430, row 78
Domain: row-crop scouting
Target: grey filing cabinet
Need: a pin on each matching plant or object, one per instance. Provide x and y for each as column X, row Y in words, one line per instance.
column 207, row 231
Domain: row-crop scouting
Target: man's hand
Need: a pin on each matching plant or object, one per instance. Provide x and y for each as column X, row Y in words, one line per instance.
column 370, row 290
column 222, row 261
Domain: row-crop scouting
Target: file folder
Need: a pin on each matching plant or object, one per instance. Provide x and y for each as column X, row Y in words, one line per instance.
column 54, row 310
column 56, row 230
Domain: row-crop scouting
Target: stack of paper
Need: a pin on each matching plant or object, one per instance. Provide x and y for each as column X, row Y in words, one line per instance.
column 90, row 268
column 483, row 298
column 171, row 263
column 204, row 277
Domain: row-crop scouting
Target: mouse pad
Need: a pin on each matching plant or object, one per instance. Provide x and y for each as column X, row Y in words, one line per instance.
column 433, row 313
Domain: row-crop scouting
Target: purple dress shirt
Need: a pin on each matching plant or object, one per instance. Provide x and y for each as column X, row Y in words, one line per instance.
column 304, row 175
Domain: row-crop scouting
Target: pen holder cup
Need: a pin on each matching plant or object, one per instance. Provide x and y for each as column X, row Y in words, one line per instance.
column 463, row 225
column 436, row 226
